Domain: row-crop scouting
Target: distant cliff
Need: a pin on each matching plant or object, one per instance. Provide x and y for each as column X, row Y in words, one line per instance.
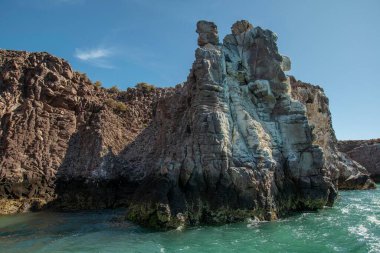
column 365, row 152
column 344, row 172
column 238, row 139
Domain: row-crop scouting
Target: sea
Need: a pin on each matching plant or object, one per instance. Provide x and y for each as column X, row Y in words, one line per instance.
column 352, row 225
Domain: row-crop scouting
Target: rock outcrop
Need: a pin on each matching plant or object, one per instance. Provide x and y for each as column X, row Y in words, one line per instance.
column 238, row 139
column 61, row 137
column 236, row 144
column 365, row 152
column 208, row 33
column 343, row 171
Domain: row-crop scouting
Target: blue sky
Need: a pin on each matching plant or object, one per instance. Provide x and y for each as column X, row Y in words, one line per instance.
column 335, row 44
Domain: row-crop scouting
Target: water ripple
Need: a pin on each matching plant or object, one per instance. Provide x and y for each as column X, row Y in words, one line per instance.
column 352, row 225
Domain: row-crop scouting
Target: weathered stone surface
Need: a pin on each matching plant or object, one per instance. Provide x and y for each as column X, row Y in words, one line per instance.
column 235, row 145
column 240, row 27
column 238, row 139
column 344, row 172
column 365, row 152
column 207, row 33
column 57, row 128
column 286, row 64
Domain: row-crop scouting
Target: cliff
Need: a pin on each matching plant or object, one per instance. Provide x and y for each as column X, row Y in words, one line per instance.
column 236, row 144
column 343, row 171
column 365, row 152
column 238, row 139
column 62, row 138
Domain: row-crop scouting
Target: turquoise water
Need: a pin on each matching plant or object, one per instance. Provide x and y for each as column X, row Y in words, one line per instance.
column 352, row 225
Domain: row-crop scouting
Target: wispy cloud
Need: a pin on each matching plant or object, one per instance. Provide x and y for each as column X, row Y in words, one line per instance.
column 96, row 56
column 92, row 54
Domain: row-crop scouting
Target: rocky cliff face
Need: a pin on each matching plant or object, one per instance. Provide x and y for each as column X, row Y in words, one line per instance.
column 343, row 171
column 62, row 137
column 238, row 139
column 236, row 144
column 365, row 152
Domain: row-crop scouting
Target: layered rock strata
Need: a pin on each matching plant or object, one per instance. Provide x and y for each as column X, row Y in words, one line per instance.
column 236, row 144
column 62, row 138
column 365, row 152
column 343, row 171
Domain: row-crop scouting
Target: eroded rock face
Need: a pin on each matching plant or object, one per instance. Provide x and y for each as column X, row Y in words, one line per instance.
column 238, row 139
column 236, row 144
column 240, row 27
column 208, row 33
column 365, row 152
column 63, row 139
column 343, row 171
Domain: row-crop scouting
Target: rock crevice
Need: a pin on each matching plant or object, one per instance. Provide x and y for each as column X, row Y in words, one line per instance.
column 244, row 146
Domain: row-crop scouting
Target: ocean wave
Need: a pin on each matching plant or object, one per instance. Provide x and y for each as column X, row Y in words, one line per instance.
column 373, row 220
column 363, row 234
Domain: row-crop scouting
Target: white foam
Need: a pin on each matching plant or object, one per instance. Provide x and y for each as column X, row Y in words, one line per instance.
column 180, row 228
column 369, row 238
column 373, row 220
column 362, row 207
column 360, row 230
column 254, row 223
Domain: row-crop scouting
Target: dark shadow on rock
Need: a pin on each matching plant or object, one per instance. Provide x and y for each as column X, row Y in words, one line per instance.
column 90, row 179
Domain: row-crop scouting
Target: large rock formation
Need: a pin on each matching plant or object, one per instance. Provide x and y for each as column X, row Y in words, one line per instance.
column 343, row 171
column 62, row 137
column 236, row 144
column 365, row 152
column 238, row 139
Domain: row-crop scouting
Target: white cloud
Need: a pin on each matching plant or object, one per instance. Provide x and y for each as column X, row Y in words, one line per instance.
column 97, row 56
column 91, row 54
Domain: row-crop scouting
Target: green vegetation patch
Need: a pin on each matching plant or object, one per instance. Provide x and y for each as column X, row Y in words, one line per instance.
column 116, row 105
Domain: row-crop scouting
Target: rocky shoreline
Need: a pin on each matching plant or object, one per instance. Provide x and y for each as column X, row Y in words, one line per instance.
column 238, row 139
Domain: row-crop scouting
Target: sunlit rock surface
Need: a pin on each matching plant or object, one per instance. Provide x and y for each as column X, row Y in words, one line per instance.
column 235, row 144
column 365, row 152
column 62, row 139
column 238, row 139
column 343, row 171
